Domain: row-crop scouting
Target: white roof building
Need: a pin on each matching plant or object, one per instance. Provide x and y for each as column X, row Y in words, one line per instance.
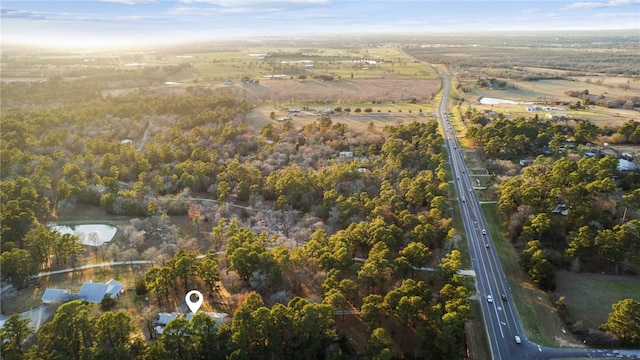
column 626, row 165
column 162, row 319
column 218, row 317
column 56, row 295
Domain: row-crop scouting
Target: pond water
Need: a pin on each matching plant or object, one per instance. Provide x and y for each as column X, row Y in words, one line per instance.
column 89, row 234
column 493, row 101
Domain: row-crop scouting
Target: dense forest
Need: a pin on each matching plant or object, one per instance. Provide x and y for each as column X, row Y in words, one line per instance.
column 148, row 156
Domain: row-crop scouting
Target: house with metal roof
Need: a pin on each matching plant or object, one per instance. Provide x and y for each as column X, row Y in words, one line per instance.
column 162, row 319
column 56, row 296
column 218, row 317
column 95, row 292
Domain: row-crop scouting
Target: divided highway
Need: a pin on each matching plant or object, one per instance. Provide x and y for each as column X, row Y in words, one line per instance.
column 507, row 339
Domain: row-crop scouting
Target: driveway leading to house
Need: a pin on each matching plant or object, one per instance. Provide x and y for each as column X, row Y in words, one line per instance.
column 38, row 315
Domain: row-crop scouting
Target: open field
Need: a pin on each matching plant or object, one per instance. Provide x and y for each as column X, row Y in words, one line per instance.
column 536, row 307
column 542, row 69
column 342, row 92
column 260, row 117
column 593, row 294
column 294, row 63
column 554, row 90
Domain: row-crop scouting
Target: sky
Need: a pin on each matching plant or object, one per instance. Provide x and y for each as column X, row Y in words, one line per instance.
column 104, row 23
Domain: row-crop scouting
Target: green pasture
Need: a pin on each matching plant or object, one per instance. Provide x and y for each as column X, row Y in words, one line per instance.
column 601, row 291
column 554, row 90
column 339, row 63
column 557, row 87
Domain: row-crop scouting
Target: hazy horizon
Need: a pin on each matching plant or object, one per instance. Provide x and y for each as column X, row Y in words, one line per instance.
column 115, row 23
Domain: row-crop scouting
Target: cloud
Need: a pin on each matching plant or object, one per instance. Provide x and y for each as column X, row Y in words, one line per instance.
column 244, row 6
column 21, row 14
column 600, row 4
column 73, row 17
column 258, row 3
column 530, row 11
column 132, row 2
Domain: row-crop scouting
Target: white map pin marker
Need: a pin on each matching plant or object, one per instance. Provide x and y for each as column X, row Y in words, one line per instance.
column 194, row 305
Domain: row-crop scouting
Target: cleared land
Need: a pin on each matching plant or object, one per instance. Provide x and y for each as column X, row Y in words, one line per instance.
column 542, row 91
column 589, row 296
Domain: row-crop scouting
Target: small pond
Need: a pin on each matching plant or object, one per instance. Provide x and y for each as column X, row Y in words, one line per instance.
column 89, row 234
column 493, row 101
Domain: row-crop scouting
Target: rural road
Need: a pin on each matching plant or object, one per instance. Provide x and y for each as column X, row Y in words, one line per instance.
column 92, row 266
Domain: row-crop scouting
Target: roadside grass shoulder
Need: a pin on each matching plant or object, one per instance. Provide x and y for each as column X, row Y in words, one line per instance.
column 477, row 340
column 461, row 243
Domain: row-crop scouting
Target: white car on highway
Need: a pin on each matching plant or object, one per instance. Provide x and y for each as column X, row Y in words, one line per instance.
column 517, row 339
column 489, row 298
